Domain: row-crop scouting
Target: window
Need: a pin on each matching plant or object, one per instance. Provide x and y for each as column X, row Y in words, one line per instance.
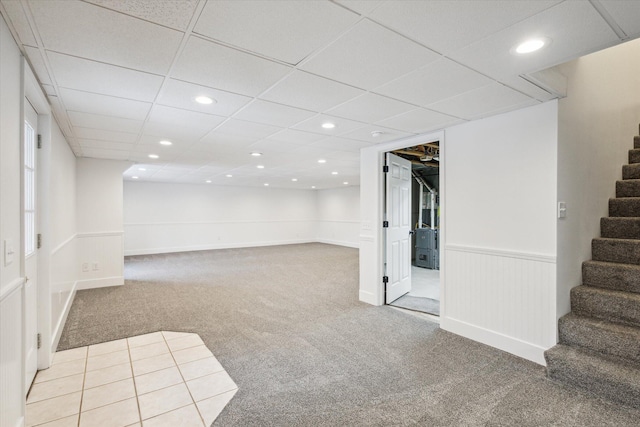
column 29, row 189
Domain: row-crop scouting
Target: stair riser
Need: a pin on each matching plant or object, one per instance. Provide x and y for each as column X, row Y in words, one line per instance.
column 636, row 141
column 618, row 308
column 624, row 207
column 614, row 277
column 628, row 188
column 631, row 171
column 571, row 372
column 620, row 228
column 577, row 333
column 634, row 156
column 616, row 250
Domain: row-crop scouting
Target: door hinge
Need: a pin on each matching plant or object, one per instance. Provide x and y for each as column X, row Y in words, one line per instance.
column 39, row 241
column 385, row 169
column 39, row 339
column 385, row 279
column 39, row 141
column 385, row 224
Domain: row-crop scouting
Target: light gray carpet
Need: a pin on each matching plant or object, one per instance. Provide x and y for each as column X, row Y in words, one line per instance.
column 424, row 305
column 287, row 325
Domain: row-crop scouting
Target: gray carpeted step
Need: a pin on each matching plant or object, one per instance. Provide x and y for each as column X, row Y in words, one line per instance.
column 636, row 141
column 634, row 156
column 620, row 228
column 625, row 251
column 624, row 207
column 628, row 188
column 599, row 335
column 608, row 378
column 609, row 275
column 605, row 304
column 631, row 171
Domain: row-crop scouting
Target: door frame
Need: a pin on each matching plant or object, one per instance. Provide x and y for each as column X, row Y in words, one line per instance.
column 372, row 210
column 33, row 92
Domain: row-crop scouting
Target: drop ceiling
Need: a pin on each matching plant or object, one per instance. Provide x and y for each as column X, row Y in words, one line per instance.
column 121, row 75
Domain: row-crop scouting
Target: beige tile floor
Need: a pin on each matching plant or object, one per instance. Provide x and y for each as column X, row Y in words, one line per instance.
column 154, row 380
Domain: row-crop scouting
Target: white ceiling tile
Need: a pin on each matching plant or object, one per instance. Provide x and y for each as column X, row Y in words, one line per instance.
column 106, row 145
column 38, row 65
column 522, row 85
column 99, row 153
column 419, row 121
column 574, row 27
column 85, row 30
column 342, row 126
column 365, row 134
column 341, row 144
column 245, row 129
column 273, row 114
column 625, row 13
column 210, row 64
column 164, row 114
column 95, row 121
column 482, row 101
column 439, row 80
column 49, row 90
column 449, row 25
column 269, row 146
column 363, row 7
column 176, row 133
column 284, row 30
column 19, row 21
column 368, row 56
column 296, row 137
column 171, row 13
column 370, row 108
column 105, row 135
column 304, row 90
column 91, row 76
column 86, row 102
column 181, row 94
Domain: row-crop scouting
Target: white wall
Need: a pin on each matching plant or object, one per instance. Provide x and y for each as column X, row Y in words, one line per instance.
column 99, row 201
column 180, row 217
column 597, row 122
column 11, row 341
column 500, row 237
column 338, row 216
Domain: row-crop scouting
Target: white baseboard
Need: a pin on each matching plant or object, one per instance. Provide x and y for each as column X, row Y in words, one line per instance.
column 57, row 332
column 103, row 282
column 151, row 251
column 355, row 245
column 368, row 297
column 511, row 345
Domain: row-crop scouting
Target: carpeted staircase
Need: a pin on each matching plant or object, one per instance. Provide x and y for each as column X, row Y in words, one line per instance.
column 599, row 349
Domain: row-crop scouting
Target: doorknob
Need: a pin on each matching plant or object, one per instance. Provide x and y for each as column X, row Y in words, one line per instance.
column 26, row 279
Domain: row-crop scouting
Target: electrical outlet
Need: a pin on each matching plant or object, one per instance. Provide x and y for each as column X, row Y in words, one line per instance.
column 96, row 266
column 85, row 267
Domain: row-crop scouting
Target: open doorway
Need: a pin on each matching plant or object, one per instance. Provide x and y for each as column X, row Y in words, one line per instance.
column 422, row 292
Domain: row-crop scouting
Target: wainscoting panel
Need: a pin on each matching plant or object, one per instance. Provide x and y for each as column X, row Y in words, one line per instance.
column 64, row 275
column 150, row 238
column 100, row 260
column 343, row 233
column 504, row 299
column 11, row 376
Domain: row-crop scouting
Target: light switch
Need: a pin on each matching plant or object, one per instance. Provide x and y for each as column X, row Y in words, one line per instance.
column 562, row 210
column 8, row 251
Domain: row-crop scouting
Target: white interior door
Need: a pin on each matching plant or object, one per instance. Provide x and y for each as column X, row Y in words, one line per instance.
column 30, row 248
column 398, row 237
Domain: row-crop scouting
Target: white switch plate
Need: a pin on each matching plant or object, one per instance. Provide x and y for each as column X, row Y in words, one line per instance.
column 8, row 251
column 562, row 209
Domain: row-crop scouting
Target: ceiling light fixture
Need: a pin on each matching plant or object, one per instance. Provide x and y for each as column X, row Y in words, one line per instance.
column 229, row 175
column 208, row 181
column 334, row 173
column 294, row 179
column 345, row 183
column 154, row 156
column 204, row 100
column 376, row 133
column 530, row 46
column 134, row 177
column 256, row 154
column 266, row 184
column 260, row 166
column 322, row 161
column 142, row 169
column 165, row 142
column 328, row 125
column 313, row 187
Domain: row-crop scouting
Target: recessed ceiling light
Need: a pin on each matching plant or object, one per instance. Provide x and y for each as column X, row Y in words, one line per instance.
column 266, row 184
column 256, row 154
column 205, row 100
column 165, row 142
column 142, row 169
column 322, row 161
column 294, row 179
column 334, row 173
column 313, row 187
column 531, row 45
column 134, row 177
column 229, row 175
column 154, row 156
column 208, row 181
column 328, row 125
column 260, row 166
column 376, row 133
column 345, row 183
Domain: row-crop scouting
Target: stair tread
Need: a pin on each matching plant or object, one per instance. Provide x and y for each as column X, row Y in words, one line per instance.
column 617, row 265
column 620, row 306
column 612, row 367
column 612, row 327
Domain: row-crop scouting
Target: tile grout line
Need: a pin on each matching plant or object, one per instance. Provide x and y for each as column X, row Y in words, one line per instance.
column 84, row 379
column 133, row 379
